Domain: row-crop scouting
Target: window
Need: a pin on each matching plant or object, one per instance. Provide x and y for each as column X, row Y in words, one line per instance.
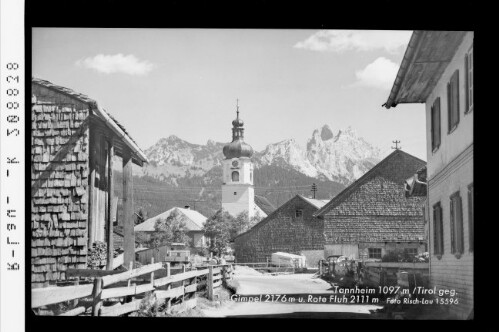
column 438, row 230
column 470, row 216
column 375, row 253
column 453, row 101
column 456, row 224
column 411, row 251
column 235, row 176
column 235, row 193
column 435, row 124
column 251, row 176
column 299, row 213
column 468, row 77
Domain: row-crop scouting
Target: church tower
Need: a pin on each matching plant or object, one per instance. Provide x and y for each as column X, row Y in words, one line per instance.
column 238, row 194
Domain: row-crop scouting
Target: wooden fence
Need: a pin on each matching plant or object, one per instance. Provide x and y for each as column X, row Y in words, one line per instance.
column 131, row 287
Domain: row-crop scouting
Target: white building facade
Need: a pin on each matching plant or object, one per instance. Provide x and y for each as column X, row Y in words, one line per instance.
column 238, row 193
column 438, row 70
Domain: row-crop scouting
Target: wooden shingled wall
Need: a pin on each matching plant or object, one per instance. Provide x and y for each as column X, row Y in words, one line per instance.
column 59, row 179
column 281, row 231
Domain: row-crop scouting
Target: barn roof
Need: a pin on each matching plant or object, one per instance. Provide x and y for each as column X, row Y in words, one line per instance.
column 138, row 155
column 312, row 202
column 264, row 204
column 194, row 221
column 318, row 203
column 397, row 174
column 425, row 59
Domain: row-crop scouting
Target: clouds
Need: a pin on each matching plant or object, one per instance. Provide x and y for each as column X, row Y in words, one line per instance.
column 118, row 63
column 340, row 41
column 380, row 74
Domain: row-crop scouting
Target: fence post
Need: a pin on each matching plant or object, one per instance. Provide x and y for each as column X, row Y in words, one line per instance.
column 96, row 295
column 209, row 282
column 183, row 283
column 168, row 272
column 152, row 273
column 320, row 268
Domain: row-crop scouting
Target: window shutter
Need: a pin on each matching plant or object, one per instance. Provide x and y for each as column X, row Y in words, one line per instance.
column 466, row 83
column 435, row 231
column 437, row 121
column 452, row 221
column 456, row 97
column 449, row 106
column 433, row 143
column 460, row 225
column 470, row 217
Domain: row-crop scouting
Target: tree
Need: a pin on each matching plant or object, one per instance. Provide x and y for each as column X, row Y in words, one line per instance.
column 242, row 222
column 222, row 227
column 171, row 229
column 219, row 229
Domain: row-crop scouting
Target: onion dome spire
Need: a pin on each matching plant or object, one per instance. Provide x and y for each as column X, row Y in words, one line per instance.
column 237, row 148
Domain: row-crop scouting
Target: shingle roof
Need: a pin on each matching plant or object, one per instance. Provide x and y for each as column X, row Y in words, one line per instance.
column 311, row 201
column 264, row 204
column 94, row 105
column 194, row 221
column 316, row 202
column 399, row 175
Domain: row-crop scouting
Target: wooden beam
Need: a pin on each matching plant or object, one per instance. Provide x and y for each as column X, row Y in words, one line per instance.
column 110, row 195
column 129, row 235
column 112, row 279
column 74, row 312
column 89, row 273
column 51, row 295
column 91, row 189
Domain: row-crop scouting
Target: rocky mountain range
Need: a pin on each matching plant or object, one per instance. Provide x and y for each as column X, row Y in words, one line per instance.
column 341, row 157
column 181, row 173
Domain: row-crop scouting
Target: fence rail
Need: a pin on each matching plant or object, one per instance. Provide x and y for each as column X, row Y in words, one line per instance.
column 111, row 285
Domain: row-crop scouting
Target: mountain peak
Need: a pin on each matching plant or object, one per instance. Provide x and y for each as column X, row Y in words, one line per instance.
column 326, row 133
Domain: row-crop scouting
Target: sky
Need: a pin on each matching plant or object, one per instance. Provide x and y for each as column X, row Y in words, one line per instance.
column 185, row 82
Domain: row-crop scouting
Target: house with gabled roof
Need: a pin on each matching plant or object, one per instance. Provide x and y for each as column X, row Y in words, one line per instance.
column 437, row 70
column 291, row 228
column 373, row 216
column 74, row 142
column 194, row 223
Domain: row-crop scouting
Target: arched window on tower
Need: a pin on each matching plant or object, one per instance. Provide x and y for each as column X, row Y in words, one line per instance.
column 235, row 176
column 251, row 176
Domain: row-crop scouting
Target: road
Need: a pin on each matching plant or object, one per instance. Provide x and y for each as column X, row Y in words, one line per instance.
column 287, row 284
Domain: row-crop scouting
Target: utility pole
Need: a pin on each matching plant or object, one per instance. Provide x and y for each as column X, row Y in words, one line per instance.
column 314, row 189
column 396, row 147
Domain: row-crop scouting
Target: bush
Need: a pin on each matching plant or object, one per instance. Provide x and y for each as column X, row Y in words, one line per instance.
column 403, row 256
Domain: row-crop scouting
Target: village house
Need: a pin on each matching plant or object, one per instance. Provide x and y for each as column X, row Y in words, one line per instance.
column 291, row 229
column 373, row 216
column 73, row 145
column 194, row 223
column 437, row 69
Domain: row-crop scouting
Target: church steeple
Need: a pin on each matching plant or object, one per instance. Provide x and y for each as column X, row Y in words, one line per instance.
column 237, row 148
column 237, row 125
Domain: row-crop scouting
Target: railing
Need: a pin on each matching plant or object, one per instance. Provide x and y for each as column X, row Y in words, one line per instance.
column 126, row 285
column 269, row 267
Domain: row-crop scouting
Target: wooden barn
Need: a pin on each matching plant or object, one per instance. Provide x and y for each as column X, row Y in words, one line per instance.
column 291, row 229
column 73, row 144
column 373, row 216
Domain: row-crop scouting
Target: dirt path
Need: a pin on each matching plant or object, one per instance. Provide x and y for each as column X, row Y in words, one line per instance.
column 287, row 284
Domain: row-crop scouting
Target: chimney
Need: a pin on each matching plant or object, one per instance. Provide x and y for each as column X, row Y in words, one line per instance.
column 188, row 207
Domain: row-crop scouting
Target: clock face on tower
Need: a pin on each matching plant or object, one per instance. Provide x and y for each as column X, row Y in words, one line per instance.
column 235, row 163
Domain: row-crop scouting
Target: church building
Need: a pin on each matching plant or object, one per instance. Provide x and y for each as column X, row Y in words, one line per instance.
column 238, row 193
